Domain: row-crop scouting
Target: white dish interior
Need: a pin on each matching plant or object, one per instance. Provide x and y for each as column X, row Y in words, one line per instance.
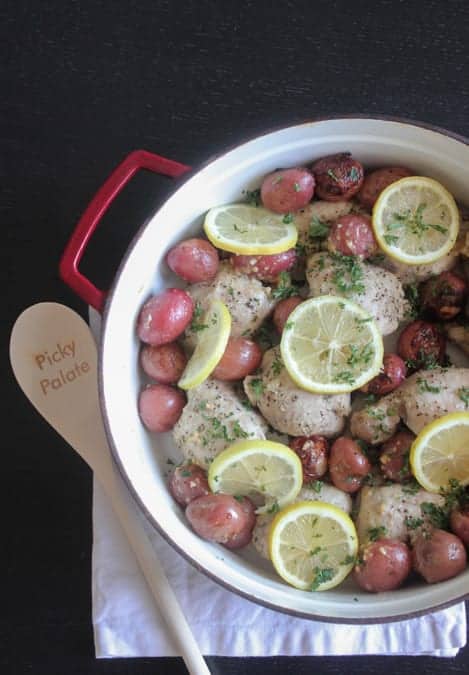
column 142, row 457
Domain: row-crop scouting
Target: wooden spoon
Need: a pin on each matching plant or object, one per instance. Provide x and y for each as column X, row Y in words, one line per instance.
column 54, row 358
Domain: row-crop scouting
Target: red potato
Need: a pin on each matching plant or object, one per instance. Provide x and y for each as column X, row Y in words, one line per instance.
column 187, row 482
column 193, row 260
column 287, row 190
column 220, row 518
column 445, row 295
column 394, row 458
column 163, row 363
column 160, row 407
column 383, row 565
column 348, row 465
column 283, row 310
column 438, row 556
column 352, row 234
column 376, row 181
column 264, row 267
column 393, row 375
column 241, row 357
column 338, row 177
column 164, row 317
column 421, row 342
column 244, row 537
column 459, row 524
column 313, row 452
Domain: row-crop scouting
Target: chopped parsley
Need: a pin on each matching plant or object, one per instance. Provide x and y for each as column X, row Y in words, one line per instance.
column 216, row 430
column 316, row 550
column 411, row 487
column 361, row 355
column 300, row 249
column 257, row 386
column 391, row 239
column 296, row 187
column 411, row 293
column 196, row 323
column 277, row 365
column 289, row 325
column 354, row 174
column 285, row 288
column 246, row 403
column 455, row 495
column 413, row 523
column 413, row 222
column 287, row 218
column 348, row 274
column 321, row 576
column 275, row 508
column 317, row 486
column 424, row 387
column 265, row 336
column 348, row 560
column 318, row 229
column 375, row 533
column 437, row 515
column 344, row 377
column 424, row 361
column 253, row 197
column 463, row 394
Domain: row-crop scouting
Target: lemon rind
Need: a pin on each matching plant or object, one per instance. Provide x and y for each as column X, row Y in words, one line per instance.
column 445, row 422
column 406, row 258
column 314, row 508
column 218, row 307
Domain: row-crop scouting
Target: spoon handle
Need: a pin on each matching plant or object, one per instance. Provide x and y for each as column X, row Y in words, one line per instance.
column 155, row 576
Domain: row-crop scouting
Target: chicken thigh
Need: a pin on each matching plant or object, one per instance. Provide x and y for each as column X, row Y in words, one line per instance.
column 247, row 299
column 379, row 292
column 289, row 409
column 421, row 399
column 214, row 418
column 394, row 512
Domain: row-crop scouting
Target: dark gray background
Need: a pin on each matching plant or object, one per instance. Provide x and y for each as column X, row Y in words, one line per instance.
column 83, row 84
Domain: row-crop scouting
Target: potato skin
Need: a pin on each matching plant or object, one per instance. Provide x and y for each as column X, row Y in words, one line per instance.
column 376, row 181
column 383, row 565
column 338, row 177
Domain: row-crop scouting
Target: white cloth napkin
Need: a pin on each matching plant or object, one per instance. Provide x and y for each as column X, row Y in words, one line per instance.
column 127, row 622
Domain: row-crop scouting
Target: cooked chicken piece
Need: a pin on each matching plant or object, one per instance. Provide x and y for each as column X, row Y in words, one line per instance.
column 411, row 274
column 248, row 301
column 214, row 418
column 394, row 512
column 422, row 398
column 379, row 292
column 458, row 334
column 289, row 409
column 314, row 214
column 462, row 243
column 324, row 493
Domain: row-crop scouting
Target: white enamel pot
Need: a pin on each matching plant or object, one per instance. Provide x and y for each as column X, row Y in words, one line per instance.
column 142, row 457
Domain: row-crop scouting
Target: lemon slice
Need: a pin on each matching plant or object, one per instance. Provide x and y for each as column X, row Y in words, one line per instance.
column 416, row 220
column 313, row 545
column 441, row 452
column 330, row 345
column 256, row 469
column 210, row 347
column 249, row 230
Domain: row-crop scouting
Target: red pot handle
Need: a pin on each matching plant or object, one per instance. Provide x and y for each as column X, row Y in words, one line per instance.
column 76, row 246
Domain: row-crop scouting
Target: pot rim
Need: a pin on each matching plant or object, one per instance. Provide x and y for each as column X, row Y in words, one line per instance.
column 178, row 182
